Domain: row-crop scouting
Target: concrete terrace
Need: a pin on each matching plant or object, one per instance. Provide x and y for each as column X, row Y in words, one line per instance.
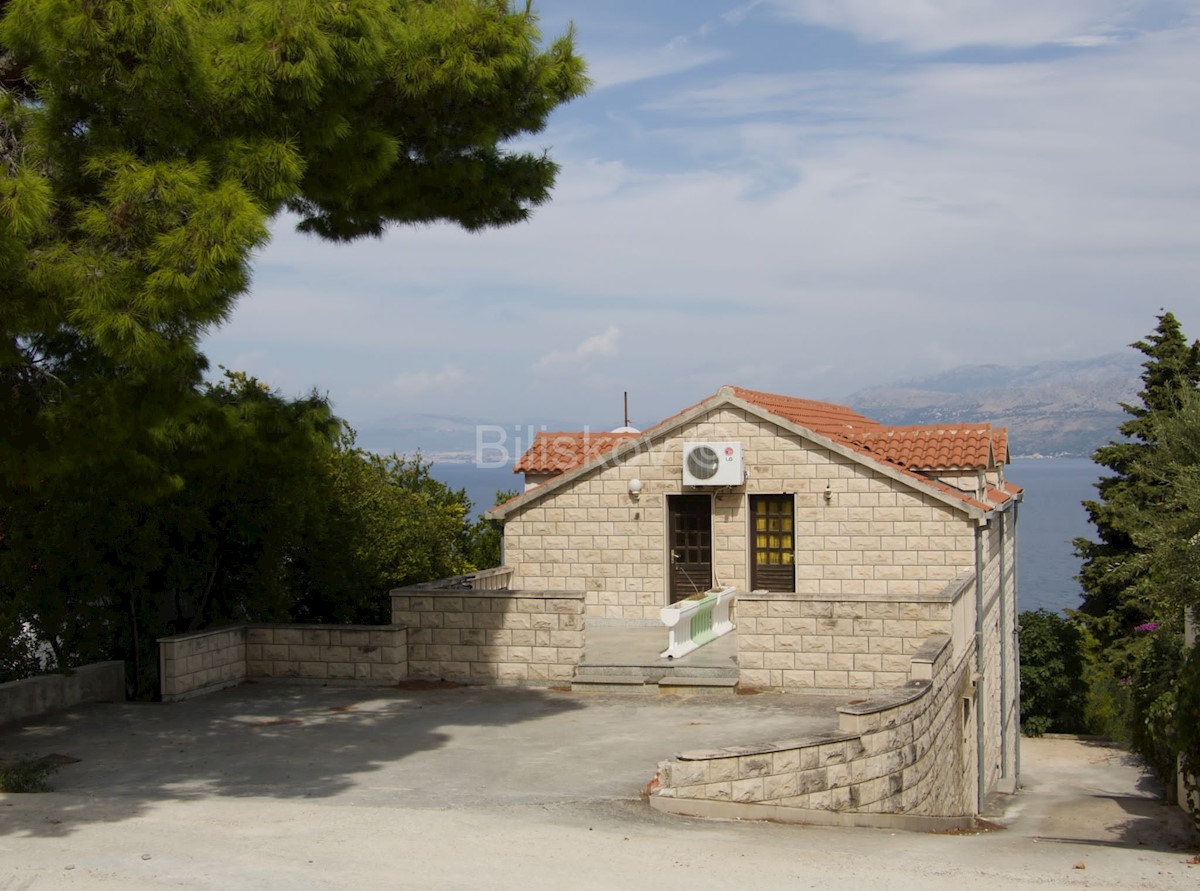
column 276, row 786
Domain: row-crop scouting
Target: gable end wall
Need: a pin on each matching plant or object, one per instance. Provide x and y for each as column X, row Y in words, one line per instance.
column 874, row 536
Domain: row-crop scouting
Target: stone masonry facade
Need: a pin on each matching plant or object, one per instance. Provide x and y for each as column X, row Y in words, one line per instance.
column 844, row 645
column 491, row 637
column 858, row 532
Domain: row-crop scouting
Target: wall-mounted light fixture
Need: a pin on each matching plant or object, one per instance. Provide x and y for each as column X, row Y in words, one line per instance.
column 828, row 492
column 635, row 489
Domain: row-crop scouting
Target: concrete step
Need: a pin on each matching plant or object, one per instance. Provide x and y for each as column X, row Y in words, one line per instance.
column 657, row 670
column 613, row 683
column 686, row 685
column 653, row 674
column 654, row 678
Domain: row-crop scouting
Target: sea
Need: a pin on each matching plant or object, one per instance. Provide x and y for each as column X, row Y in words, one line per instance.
column 1051, row 518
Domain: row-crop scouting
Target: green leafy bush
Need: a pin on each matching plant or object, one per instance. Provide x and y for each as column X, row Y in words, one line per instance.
column 1053, row 691
column 1154, row 697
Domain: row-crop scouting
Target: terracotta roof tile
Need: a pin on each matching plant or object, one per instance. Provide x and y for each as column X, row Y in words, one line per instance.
column 553, row 453
column 1000, row 444
column 933, row 448
column 996, row 496
column 825, row 418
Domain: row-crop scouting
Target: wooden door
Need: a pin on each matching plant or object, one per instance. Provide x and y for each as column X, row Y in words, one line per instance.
column 772, row 542
column 690, row 539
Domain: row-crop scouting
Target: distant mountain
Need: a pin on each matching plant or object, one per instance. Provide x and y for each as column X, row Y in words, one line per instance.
column 1052, row 408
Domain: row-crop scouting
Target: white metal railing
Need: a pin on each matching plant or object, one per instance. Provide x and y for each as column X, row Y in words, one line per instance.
column 495, row 579
column 694, row 622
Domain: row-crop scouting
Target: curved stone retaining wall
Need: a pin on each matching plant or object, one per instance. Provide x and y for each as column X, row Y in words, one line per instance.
column 902, row 760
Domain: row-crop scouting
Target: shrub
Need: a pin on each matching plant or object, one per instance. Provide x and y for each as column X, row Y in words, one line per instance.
column 1154, row 699
column 1053, row 691
column 26, row 774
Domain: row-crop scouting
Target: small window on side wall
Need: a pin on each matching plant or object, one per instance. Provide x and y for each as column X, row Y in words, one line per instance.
column 773, row 542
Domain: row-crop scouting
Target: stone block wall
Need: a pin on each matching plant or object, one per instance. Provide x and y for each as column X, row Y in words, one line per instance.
column 873, row 535
column 33, row 697
column 491, row 637
column 194, row 664
column 855, row 643
column 366, row 653
column 900, row 761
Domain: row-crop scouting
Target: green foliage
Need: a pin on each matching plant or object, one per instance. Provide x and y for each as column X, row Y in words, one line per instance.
column 1120, row 589
column 384, row 522
column 18, row 648
column 147, row 146
column 1053, row 690
column 145, row 149
column 28, row 773
column 1108, row 711
column 1154, row 695
column 486, row 550
column 274, row 516
column 1144, row 570
column 98, row 561
column 1187, row 728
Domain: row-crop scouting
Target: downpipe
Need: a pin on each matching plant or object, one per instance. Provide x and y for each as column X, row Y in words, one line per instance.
column 980, row 724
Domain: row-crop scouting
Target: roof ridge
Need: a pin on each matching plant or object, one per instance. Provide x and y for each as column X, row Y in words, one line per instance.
column 901, row 448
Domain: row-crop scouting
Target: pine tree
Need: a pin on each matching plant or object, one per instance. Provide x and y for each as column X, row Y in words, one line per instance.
column 146, row 147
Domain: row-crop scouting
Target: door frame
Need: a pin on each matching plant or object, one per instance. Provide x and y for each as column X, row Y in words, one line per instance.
column 676, row 589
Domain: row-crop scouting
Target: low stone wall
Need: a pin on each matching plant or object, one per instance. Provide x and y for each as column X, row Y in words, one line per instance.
column 491, row 637
column 34, row 697
column 368, row 653
column 851, row 644
column 193, row 664
column 204, row 662
column 897, row 762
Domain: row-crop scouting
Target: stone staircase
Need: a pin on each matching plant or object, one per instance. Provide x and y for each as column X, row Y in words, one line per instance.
column 624, row 659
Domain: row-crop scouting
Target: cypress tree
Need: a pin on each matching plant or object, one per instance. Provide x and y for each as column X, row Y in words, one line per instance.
column 1116, row 574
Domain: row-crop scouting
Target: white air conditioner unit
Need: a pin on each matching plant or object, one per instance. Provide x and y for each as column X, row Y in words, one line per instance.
column 713, row 464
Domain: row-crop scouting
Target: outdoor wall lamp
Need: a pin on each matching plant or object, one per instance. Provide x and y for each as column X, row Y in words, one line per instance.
column 635, row 489
column 828, row 492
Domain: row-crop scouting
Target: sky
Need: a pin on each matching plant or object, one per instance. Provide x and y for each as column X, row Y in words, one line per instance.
column 801, row 196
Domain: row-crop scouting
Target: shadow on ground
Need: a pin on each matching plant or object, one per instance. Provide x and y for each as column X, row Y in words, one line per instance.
column 1103, row 796
column 283, row 742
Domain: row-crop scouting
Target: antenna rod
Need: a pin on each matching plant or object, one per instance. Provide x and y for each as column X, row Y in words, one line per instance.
column 626, row 408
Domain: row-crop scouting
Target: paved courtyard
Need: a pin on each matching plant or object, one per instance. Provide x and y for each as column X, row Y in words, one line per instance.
column 270, row 786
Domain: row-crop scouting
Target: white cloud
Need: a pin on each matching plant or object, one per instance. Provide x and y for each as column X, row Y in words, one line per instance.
column 612, row 68
column 939, row 25
column 762, row 228
column 602, row 344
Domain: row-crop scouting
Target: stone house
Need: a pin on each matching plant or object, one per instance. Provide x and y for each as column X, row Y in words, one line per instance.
column 852, row 547
column 873, row 565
